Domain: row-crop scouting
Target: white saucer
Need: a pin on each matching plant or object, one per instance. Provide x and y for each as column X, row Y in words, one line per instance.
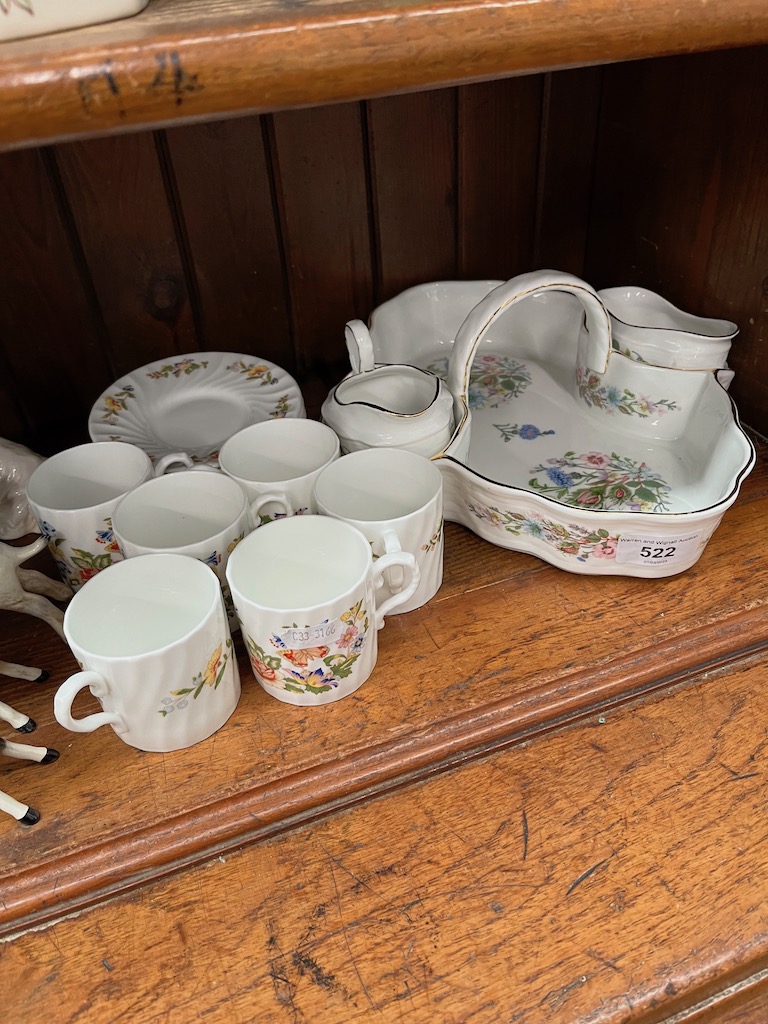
column 193, row 403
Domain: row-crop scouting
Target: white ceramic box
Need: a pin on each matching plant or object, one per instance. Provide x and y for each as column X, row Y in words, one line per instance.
column 20, row 18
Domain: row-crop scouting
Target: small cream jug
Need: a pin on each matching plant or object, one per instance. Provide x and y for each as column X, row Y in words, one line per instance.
column 390, row 405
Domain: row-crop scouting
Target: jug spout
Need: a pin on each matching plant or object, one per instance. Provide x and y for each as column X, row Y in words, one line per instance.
column 647, row 328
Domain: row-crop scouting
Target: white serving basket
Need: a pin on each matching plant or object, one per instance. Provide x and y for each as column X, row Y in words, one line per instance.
column 565, row 446
column 22, row 18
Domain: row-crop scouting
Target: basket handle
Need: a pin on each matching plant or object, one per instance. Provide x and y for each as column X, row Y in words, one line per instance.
column 497, row 301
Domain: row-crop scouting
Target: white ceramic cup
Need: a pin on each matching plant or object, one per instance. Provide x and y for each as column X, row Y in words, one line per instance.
column 152, row 638
column 203, row 515
column 276, row 463
column 304, row 590
column 73, row 495
column 395, row 498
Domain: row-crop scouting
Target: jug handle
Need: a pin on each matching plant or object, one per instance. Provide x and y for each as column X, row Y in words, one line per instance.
column 359, row 346
column 497, row 301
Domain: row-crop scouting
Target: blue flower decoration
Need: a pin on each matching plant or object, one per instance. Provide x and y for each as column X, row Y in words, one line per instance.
column 529, row 432
column 559, row 477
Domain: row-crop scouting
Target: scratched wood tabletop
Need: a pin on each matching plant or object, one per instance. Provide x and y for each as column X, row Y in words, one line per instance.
column 612, row 871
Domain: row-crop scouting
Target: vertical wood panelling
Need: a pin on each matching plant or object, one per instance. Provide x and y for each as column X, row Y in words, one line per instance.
column 569, row 125
column 53, row 366
column 226, row 207
column 413, row 167
column 680, row 196
column 737, row 267
column 658, row 177
column 12, row 424
column 320, row 176
column 498, row 159
column 266, row 235
column 116, row 190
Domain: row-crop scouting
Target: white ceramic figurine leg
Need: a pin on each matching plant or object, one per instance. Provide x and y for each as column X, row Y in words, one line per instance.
column 27, row 752
column 35, row 675
column 14, row 582
column 19, row 721
column 35, row 582
column 23, row 813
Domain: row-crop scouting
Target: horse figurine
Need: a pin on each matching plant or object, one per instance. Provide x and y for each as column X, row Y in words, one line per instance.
column 26, row 591
column 17, row 464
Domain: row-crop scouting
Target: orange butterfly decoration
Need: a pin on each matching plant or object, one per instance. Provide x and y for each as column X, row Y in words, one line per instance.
column 303, row 657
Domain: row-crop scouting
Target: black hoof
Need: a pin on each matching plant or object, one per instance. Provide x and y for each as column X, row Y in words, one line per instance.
column 31, row 817
column 51, row 756
column 30, row 726
column 42, row 677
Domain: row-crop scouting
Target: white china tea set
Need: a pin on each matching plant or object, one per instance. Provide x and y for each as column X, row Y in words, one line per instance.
column 592, row 429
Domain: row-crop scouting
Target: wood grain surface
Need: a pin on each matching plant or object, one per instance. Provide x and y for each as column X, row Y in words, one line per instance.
column 124, row 222
column 508, row 649
column 414, row 200
column 224, row 201
column 183, row 59
column 497, row 217
column 681, row 188
column 613, row 872
column 322, row 207
column 51, row 329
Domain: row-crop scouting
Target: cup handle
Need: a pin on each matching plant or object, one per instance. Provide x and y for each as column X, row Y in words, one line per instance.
column 396, row 575
column 257, row 505
column 65, row 696
column 411, row 567
column 161, row 466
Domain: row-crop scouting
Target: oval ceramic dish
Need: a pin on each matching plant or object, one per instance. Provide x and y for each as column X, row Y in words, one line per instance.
column 193, row 403
column 565, row 448
column 21, row 18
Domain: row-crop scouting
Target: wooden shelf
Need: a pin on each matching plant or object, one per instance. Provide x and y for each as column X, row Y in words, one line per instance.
column 611, row 872
column 509, row 649
column 183, row 60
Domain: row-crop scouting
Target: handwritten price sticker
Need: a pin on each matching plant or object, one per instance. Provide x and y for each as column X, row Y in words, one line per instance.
column 652, row 551
column 301, row 638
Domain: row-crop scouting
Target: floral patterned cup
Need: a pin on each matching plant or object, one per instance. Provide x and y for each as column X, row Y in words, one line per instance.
column 394, row 497
column 151, row 636
column 200, row 514
column 276, row 462
column 303, row 589
column 73, row 496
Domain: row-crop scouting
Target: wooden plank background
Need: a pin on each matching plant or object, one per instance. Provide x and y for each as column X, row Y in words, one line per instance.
column 263, row 235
